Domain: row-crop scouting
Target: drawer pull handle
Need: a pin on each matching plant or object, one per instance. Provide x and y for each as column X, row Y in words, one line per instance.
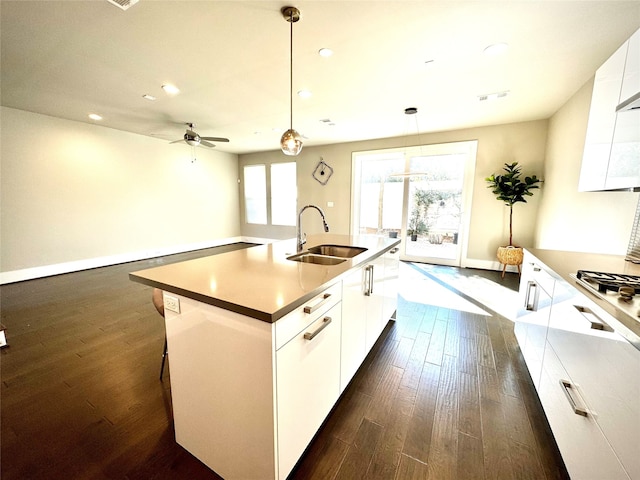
column 394, row 250
column 576, row 409
column 311, row 335
column 595, row 322
column 313, row 308
column 529, row 303
column 368, row 280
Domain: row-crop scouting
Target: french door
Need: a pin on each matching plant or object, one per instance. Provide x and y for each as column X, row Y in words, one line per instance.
column 420, row 194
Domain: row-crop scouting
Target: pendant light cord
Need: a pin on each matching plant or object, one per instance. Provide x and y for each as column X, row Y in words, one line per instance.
column 291, row 71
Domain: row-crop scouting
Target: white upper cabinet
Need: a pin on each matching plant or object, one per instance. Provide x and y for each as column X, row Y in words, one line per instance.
column 611, row 157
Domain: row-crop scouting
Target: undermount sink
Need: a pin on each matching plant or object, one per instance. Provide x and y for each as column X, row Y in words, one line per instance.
column 317, row 259
column 342, row 251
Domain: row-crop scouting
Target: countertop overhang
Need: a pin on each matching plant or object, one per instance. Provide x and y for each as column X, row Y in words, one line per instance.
column 259, row 281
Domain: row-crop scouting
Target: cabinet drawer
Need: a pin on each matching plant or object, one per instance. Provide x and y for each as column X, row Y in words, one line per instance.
column 299, row 319
column 584, row 448
column 308, row 385
column 604, row 366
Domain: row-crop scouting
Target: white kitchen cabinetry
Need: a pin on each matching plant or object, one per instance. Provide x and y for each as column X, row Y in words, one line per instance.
column 588, row 376
column 369, row 298
column 604, row 369
column 354, row 324
column 248, row 395
column 536, row 292
column 610, row 159
column 308, row 385
column 374, row 291
column 390, row 283
column 584, row 449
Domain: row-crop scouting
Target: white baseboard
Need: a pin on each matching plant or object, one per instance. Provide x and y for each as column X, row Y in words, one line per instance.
column 487, row 265
column 78, row 265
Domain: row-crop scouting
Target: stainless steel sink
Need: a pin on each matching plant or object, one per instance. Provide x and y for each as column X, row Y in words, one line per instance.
column 317, row 259
column 342, row 251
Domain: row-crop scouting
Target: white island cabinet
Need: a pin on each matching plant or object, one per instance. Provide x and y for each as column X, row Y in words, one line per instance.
column 255, row 371
column 587, row 374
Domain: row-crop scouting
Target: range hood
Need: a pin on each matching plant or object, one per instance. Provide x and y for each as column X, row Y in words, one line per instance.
column 631, row 103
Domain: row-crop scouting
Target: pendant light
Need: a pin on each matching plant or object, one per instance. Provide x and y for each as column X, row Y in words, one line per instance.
column 290, row 143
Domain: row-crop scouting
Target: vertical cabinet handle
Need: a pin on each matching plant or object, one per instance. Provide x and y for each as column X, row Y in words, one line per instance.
column 311, row 335
column 368, row 280
column 311, row 308
column 566, row 387
column 531, row 301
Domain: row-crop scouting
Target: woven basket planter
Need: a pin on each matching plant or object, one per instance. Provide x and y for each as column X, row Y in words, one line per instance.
column 510, row 255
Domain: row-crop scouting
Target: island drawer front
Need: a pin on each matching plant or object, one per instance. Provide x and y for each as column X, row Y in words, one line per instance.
column 294, row 322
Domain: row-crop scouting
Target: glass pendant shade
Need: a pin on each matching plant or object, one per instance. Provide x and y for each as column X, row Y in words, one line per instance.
column 290, row 142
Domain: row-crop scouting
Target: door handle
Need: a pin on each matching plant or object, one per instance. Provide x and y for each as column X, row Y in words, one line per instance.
column 368, row 280
column 530, row 305
column 566, row 386
column 311, row 335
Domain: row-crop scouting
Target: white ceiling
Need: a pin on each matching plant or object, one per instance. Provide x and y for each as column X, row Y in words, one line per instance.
column 230, row 60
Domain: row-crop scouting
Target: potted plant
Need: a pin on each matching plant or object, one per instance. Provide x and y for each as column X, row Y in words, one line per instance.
column 511, row 188
column 418, row 220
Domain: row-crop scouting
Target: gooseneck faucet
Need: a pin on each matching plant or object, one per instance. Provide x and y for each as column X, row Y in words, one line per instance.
column 302, row 237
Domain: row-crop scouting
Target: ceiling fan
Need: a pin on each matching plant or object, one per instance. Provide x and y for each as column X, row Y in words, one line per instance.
column 192, row 138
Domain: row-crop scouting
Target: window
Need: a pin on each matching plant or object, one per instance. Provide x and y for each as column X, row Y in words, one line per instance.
column 275, row 193
column 255, row 194
column 283, row 193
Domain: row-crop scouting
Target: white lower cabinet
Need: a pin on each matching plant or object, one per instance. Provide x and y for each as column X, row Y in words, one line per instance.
column 390, row 283
column 354, row 325
column 374, row 291
column 605, row 370
column 369, row 298
column 587, row 376
column 307, row 385
column 584, row 449
column 536, row 291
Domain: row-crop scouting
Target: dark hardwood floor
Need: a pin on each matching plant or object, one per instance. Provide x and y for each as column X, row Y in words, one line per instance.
column 443, row 394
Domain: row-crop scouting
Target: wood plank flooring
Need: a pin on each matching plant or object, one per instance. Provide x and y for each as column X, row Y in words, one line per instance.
column 443, row 394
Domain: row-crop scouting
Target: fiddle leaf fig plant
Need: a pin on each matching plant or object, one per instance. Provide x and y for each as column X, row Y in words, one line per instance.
column 511, row 188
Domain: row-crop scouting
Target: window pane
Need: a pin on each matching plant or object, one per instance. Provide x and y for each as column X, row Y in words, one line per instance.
column 255, row 194
column 283, row 193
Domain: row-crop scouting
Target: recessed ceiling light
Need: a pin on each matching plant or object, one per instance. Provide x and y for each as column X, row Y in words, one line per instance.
column 148, row 97
column 95, row 116
column 325, row 52
column 493, row 96
column 170, row 89
column 304, row 93
column 496, row 49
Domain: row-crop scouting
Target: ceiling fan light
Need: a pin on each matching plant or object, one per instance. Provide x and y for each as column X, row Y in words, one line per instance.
column 290, row 142
column 193, row 142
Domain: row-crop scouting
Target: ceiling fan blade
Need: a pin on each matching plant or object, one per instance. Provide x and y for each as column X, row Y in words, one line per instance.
column 206, row 144
column 215, row 139
column 178, row 141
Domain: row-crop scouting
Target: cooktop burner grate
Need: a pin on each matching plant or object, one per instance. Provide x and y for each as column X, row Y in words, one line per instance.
column 610, row 281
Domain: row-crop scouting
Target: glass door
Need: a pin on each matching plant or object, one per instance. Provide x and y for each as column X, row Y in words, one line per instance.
column 420, row 194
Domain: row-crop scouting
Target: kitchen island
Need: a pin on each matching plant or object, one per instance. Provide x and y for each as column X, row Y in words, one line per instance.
column 262, row 346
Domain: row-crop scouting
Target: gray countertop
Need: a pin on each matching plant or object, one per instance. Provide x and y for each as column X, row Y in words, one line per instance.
column 259, row 281
column 565, row 264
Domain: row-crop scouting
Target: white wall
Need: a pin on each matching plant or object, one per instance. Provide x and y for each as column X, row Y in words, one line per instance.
column 598, row 222
column 522, row 142
column 75, row 195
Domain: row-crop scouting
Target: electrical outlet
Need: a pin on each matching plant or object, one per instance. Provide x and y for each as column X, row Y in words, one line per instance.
column 171, row 303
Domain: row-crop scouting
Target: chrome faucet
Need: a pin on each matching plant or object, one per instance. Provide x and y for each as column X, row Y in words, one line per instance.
column 302, row 237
